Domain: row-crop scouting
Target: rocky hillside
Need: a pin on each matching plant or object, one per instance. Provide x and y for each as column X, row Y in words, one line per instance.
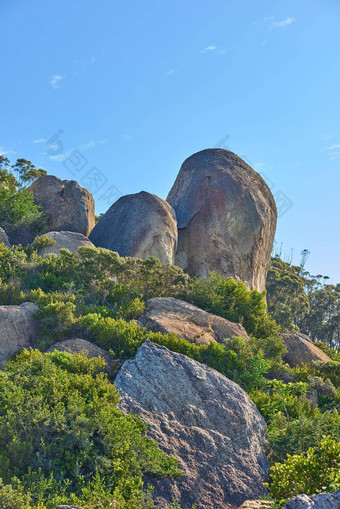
column 140, row 367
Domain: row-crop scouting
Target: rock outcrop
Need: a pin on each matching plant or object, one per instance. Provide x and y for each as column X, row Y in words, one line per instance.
column 169, row 315
column 321, row 501
column 66, row 206
column 139, row 225
column 226, row 218
column 302, row 350
column 78, row 345
column 18, row 328
column 205, row 420
column 4, row 238
column 65, row 240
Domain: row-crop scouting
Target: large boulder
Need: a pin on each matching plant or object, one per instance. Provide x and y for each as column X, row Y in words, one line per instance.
column 18, row 328
column 66, row 205
column 78, row 345
column 320, row 501
column 139, row 225
column 4, row 238
column 302, row 350
column 65, row 240
column 205, row 420
column 226, row 217
column 169, row 315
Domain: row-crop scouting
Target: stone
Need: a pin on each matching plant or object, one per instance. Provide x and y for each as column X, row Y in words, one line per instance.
column 65, row 240
column 139, row 225
column 302, row 350
column 257, row 504
column 4, row 238
column 18, row 329
column 78, row 345
column 202, row 418
column 320, row 501
column 65, row 205
column 170, row 315
column 226, row 218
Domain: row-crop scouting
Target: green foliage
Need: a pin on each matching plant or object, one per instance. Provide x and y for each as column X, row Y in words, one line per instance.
column 286, row 296
column 316, row 471
column 16, row 203
column 300, row 301
column 27, row 172
column 234, row 359
column 232, row 300
column 61, row 431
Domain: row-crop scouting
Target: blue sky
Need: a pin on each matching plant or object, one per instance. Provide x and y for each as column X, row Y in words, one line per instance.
column 116, row 94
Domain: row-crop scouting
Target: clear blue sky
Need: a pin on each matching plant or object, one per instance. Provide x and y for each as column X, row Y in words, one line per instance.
column 138, row 86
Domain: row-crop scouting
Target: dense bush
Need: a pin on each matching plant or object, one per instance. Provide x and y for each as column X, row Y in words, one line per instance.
column 16, row 203
column 232, row 300
column 316, row 471
column 61, row 432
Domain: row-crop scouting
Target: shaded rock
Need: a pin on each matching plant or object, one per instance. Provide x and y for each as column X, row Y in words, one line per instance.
column 226, row 217
column 169, row 315
column 65, row 240
column 302, row 350
column 18, row 328
column 321, row 501
column 319, row 388
column 4, row 238
column 66, row 205
column 205, row 420
column 78, row 345
column 139, row 225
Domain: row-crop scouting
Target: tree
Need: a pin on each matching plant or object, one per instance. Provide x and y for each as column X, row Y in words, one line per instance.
column 17, row 203
column 26, row 171
column 286, row 294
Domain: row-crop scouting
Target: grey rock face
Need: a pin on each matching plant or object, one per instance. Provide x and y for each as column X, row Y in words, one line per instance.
column 302, row 350
column 205, row 420
column 226, row 218
column 66, row 205
column 139, row 225
column 78, row 345
column 4, row 238
column 65, row 240
column 321, row 501
column 18, row 329
column 169, row 315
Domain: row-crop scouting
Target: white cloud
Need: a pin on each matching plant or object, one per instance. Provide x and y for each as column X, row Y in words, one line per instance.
column 283, row 24
column 39, row 140
column 335, row 155
column 55, row 80
column 4, row 152
column 334, row 146
column 209, row 48
column 169, row 72
column 91, row 144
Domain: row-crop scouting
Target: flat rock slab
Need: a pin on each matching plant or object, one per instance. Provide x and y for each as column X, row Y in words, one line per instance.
column 205, row 420
column 65, row 240
column 170, row 315
column 78, row 345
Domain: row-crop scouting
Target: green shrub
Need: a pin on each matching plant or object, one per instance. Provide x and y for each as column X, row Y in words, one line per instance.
column 316, row 471
column 60, row 429
column 232, row 300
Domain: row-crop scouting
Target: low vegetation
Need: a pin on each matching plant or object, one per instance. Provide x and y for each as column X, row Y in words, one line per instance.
column 70, row 444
